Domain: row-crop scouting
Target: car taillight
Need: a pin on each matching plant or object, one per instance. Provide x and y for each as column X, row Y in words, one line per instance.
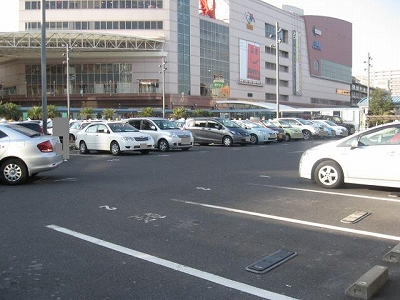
column 45, row 146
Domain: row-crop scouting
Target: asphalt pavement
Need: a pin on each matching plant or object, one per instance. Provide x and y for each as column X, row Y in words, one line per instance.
column 188, row 224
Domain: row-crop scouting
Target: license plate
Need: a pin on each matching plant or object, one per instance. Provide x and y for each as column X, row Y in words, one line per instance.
column 143, row 146
column 185, row 141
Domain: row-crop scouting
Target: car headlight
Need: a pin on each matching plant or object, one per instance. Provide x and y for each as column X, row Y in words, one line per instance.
column 172, row 134
column 234, row 132
column 128, row 139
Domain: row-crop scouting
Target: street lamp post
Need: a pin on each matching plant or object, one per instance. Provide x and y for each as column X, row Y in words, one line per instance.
column 67, row 48
column 163, row 69
column 368, row 69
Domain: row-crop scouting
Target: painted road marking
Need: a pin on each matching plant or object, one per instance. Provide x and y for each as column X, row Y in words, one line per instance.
column 295, row 221
column 328, row 193
column 203, row 188
column 107, row 207
column 242, row 287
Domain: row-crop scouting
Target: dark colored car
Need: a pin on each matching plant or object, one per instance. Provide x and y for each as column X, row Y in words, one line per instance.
column 31, row 125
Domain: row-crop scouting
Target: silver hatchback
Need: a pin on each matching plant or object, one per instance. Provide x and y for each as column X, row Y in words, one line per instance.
column 166, row 134
column 25, row 153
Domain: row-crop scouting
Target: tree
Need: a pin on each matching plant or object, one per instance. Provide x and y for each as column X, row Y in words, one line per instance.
column 10, row 111
column 147, row 112
column 380, row 103
column 52, row 111
column 35, row 113
column 179, row 112
column 108, row 113
column 86, row 113
column 201, row 113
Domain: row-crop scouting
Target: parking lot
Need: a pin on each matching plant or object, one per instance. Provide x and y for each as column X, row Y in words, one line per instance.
column 186, row 224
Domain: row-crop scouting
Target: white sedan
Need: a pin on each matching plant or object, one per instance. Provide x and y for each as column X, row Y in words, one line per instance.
column 115, row 137
column 370, row 157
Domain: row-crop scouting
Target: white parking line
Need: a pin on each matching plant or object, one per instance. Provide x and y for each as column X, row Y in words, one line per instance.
column 175, row 266
column 295, row 221
column 327, row 192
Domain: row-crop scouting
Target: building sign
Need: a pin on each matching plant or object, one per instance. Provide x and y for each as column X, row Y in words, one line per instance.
column 249, row 63
column 215, row 9
column 249, row 19
column 316, row 31
column 317, row 45
column 297, row 64
column 342, row 92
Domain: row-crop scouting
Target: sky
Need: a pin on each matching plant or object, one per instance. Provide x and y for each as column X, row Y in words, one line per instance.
column 375, row 27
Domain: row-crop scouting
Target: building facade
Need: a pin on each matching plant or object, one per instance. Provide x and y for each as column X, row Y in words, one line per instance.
column 134, row 53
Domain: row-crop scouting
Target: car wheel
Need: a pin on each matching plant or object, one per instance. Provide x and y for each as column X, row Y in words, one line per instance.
column 115, row 149
column 13, row 171
column 227, row 141
column 253, row 139
column 83, row 148
column 287, row 137
column 306, row 134
column 145, row 151
column 163, row 145
column 329, row 174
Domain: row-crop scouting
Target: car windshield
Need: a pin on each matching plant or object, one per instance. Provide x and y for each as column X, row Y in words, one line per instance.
column 252, row 125
column 304, row 122
column 229, row 124
column 285, row 124
column 165, row 124
column 122, row 127
column 24, row 130
column 329, row 122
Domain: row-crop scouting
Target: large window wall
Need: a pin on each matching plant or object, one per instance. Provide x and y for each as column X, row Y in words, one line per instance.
column 95, row 4
column 96, row 25
column 184, row 47
column 214, row 57
column 85, row 78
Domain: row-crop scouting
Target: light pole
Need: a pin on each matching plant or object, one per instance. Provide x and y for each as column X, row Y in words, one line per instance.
column 163, row 69
column 67, row 48
column 276, row 46
column 368, row 69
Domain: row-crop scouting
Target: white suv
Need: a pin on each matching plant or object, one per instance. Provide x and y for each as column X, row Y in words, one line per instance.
column 308, row 129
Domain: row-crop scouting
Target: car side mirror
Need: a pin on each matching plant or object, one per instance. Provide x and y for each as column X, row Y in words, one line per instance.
column 354, row 144
column 152, row 127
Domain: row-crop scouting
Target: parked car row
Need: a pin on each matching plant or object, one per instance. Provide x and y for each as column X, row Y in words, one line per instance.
column 25, row 152
column 168, row 135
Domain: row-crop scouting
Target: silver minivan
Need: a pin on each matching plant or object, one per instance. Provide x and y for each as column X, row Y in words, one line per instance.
column 217, row 130
column 165, row 133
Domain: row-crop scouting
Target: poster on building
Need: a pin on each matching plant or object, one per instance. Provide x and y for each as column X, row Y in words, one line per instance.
column 215, row 9
column 249, row 63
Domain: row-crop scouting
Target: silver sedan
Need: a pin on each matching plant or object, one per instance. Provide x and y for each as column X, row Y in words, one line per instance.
column 25, row 153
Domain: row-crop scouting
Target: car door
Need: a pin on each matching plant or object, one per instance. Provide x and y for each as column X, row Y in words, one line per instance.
column 214, row 131
column 377, row 157
column 4, row 142
column 103, row 138
column 198, row 129
column 90, row 137
column 148, row 127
